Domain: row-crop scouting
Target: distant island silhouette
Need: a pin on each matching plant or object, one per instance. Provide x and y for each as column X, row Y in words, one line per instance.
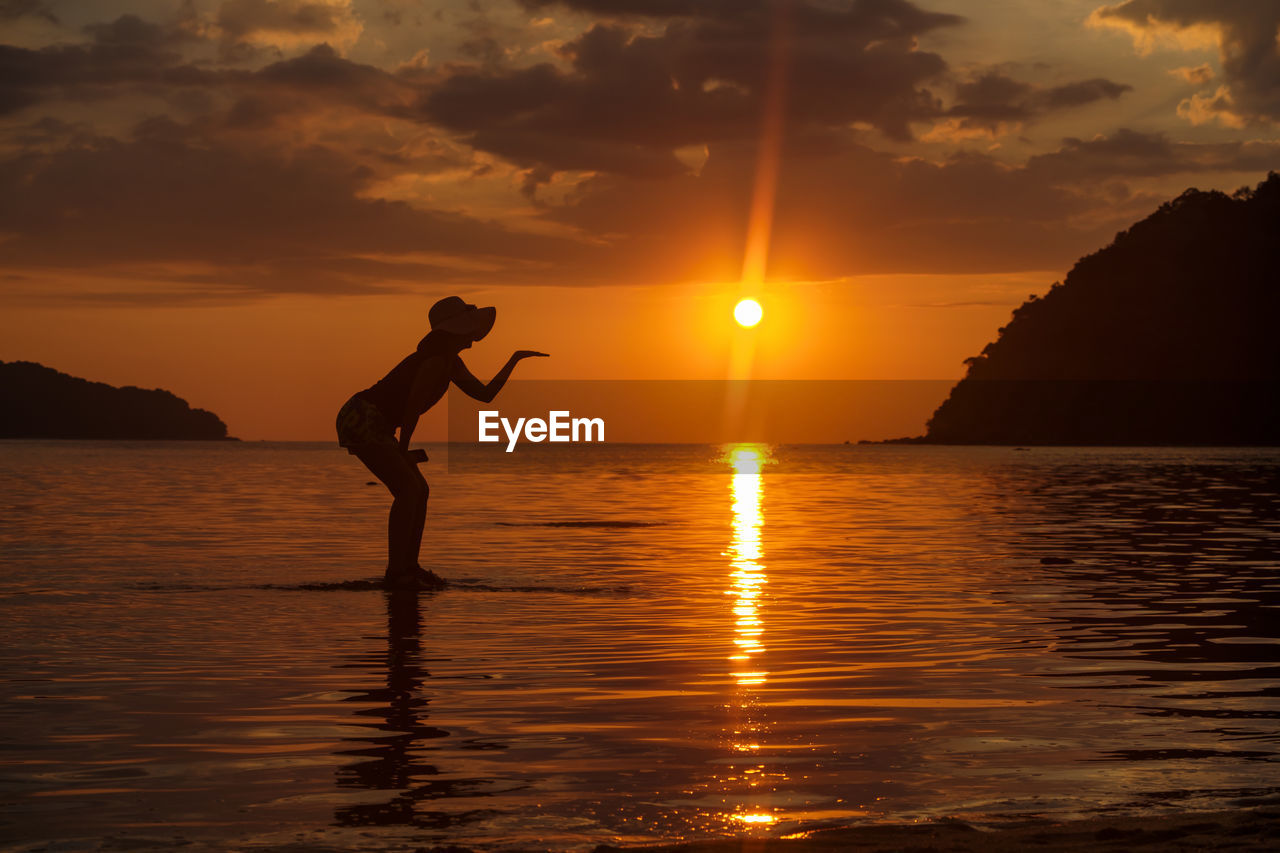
column 1168, row 336
column 40, row 402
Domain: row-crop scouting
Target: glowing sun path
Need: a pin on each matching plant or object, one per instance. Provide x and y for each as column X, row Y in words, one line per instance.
column 747, row 579
column 748, row 575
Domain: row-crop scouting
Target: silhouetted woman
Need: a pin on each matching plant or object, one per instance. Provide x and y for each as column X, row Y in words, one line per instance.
column 368, row 421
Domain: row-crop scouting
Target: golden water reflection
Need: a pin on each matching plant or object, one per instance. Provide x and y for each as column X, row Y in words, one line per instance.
column 745, row 554
column 745, row 783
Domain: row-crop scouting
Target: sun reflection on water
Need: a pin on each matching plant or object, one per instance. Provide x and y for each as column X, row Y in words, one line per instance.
column 747, row 578
column 755, row 819
column 745, row 553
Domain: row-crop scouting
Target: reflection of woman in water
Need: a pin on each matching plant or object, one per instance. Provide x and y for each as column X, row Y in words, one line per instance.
column 367, row 424
column 390, row 753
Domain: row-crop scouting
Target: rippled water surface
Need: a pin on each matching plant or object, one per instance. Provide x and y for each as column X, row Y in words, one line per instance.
column 719, row 641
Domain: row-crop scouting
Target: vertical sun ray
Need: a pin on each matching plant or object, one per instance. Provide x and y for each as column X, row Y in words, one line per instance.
column 764, row 190
column 769, row 153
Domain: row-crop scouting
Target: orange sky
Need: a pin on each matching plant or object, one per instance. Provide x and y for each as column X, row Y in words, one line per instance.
column 252, row 203
column 279, row 367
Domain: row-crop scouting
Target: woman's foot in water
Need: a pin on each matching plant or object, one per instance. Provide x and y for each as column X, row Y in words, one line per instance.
column 428, row 579
column 415, row 578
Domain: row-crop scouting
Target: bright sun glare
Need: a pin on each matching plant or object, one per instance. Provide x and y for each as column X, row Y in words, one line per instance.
column 754, row 818
column 748, row 312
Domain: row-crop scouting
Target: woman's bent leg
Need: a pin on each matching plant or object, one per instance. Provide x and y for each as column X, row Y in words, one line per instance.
column 414, row 544
column 408, row 513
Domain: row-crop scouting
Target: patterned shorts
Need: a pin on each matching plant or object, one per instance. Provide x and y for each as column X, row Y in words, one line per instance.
column 360, row 424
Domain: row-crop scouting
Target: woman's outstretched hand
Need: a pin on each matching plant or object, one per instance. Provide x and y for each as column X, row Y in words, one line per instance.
column 528, row 353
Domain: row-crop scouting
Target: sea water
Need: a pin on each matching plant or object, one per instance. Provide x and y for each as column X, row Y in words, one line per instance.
column 641, row 643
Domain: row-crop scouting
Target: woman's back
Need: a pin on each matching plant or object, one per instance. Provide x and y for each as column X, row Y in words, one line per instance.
column 391, row 392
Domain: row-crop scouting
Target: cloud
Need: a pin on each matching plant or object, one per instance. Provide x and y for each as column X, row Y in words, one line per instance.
column 1218, row 106
column 319, row 79
column 1134, row 154
column 644, row 8
column 1196, row 75
column 288, row 23
column 640, row 139
column 195, row 212
column 11, row 10
column 130, row 54
column 1247, row 35
column 1081, row 92
column 174, row 198
column 269, row 184
column 626, row 97
column 893, row 18
column 844, row 208
column 994, row 104
column 125, row 51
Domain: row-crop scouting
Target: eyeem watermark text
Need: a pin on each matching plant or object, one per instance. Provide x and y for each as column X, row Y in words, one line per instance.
column 558, row 426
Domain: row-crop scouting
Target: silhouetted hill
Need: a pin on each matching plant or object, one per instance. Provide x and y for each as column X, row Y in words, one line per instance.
column 1167, row 336
column 39, row 402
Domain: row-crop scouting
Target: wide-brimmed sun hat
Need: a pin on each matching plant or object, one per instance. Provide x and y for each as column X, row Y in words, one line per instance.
column 451, row 314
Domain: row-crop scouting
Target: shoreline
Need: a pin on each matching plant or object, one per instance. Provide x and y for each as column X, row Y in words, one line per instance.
column 1248, row 829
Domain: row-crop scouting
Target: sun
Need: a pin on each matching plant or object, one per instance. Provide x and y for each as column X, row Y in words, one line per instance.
column 748, row 312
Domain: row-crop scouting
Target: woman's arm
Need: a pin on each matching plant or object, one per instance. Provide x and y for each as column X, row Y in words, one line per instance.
column 433, row 372
column 486, row 391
